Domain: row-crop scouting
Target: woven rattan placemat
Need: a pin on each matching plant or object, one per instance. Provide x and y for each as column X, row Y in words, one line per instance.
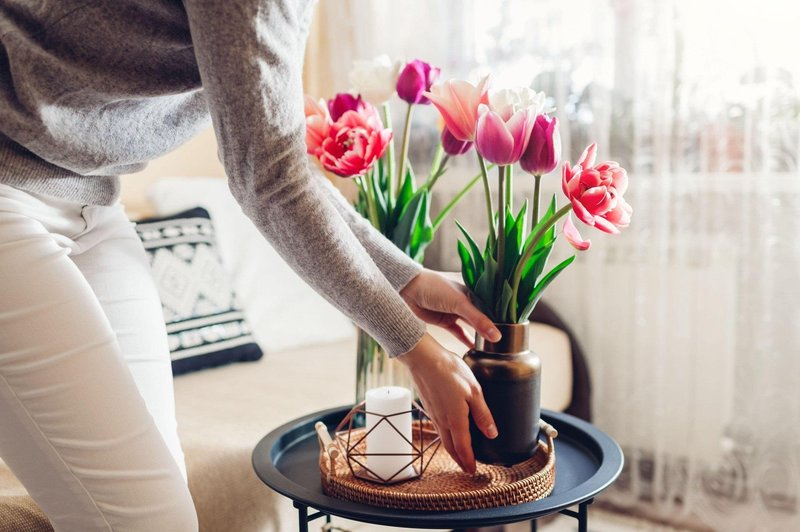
column 443, row 486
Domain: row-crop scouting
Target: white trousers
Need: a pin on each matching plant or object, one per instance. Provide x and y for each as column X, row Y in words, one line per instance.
column 87, row 414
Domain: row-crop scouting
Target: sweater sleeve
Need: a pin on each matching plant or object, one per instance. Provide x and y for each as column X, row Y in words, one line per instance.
column 395, row 265
column 250, row 56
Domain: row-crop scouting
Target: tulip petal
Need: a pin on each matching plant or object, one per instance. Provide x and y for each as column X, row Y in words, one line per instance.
column 586, row 159
column 597, row 200
column 520, row 127
column 573, row 236
column 483, row 90
column 581, row 212
column 620, row 215
column 493, row 140
column 605, row 226
column 566, row 176
column 620, row 179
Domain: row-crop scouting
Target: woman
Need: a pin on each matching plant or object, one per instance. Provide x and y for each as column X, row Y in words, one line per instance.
column 93, row 89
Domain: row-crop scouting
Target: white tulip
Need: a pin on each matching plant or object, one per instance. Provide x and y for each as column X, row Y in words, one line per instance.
column 517, row 98
column 375, row 79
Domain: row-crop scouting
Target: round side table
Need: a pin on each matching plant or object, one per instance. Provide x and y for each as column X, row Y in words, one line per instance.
column 587, row 462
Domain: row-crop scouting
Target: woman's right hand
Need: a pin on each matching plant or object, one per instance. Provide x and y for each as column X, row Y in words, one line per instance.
column 449, row 393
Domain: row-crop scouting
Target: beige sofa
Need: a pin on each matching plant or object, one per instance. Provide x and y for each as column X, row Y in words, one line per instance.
column 223, row 412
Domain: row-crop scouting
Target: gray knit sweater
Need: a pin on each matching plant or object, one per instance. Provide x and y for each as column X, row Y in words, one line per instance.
column 91, row 89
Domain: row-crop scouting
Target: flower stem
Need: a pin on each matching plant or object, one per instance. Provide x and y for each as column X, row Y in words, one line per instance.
column 401, row 174
column 501, row 234
column 510, row 188
column 439, row 172
column 387, row 123
column 535, row 218
column 437, row 161
column 516, row 277
column 488, row 196
column 371, row 207
column 453, row 202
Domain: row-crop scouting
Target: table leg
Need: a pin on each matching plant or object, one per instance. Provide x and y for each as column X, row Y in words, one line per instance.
column 302, row 517
column 534, row 526
column 583, row 516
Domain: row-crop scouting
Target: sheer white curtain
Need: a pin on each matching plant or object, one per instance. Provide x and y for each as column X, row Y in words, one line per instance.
column 690, row 318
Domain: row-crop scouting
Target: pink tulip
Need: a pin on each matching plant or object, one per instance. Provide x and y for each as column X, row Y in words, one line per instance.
column 502, row 138
column 573, row 236
column 318, row 124
column 354, row 143
column 415, row 79
column 457, row 102
column 453, row 146
column 596, row 192
column 544, row 149
column 343, row 102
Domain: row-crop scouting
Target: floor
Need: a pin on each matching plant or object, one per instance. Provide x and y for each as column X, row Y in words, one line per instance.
column 599, row 521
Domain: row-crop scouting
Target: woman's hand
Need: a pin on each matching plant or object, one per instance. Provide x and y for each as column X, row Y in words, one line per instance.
column 449, row 393
column 440, row 301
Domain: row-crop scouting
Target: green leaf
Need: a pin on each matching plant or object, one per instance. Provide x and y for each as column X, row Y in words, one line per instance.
column 531, row 272
column 361, row 204
column 383, row 177
column 404, row 230
column 422, row 228
column 467, row 266
column 502, row 310
column 404, row 196
column 381, row 201
column 544, row 283
column 551, row 210
column 514, row 231
column 484, row 286
column 476, row 252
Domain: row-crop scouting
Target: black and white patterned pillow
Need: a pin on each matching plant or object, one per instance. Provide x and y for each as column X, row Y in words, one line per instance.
column 205, row 324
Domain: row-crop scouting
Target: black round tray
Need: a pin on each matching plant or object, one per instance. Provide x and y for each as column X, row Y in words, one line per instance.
column 587, row 462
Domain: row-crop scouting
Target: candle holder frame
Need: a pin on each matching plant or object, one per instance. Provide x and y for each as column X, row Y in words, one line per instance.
column 348, row 438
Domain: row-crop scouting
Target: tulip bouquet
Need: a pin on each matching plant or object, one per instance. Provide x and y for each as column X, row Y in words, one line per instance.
column 507, row 277
column 352, row 139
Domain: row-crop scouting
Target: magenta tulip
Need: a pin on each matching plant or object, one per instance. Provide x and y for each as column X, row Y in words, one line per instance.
column 544, row 149
column 503, row 139
column 415, row 79
column 596, row 192
column 343, row 102
column 452, row 145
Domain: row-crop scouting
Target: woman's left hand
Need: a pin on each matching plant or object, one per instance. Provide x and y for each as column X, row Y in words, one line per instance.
column 439, row 301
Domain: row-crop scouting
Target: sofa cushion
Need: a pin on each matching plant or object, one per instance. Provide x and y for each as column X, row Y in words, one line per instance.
column 205, row 324
column 274, row 298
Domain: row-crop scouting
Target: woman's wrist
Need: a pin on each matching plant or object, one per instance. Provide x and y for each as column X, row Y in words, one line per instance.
column 424, row 352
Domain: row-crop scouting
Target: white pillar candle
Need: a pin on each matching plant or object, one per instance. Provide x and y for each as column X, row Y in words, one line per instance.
column 383, row 438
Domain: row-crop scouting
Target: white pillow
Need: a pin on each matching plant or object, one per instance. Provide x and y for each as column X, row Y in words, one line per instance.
column 282, row 309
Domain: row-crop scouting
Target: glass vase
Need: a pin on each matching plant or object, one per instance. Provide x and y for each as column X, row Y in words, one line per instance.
column 374, row 368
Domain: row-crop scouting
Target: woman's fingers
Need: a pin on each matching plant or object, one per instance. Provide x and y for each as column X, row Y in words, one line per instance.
column 482, row 416
column 461, row 335
column 461, row 443
column 477, row 319
column 447, row 443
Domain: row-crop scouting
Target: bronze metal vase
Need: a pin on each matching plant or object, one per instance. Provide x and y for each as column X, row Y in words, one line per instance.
column 510, row 375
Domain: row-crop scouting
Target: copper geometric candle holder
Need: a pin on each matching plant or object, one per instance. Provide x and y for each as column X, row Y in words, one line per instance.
column 351, row 442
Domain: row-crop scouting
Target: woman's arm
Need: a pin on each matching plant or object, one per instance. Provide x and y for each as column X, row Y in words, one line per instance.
column 250, row 56
column 396, row 266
